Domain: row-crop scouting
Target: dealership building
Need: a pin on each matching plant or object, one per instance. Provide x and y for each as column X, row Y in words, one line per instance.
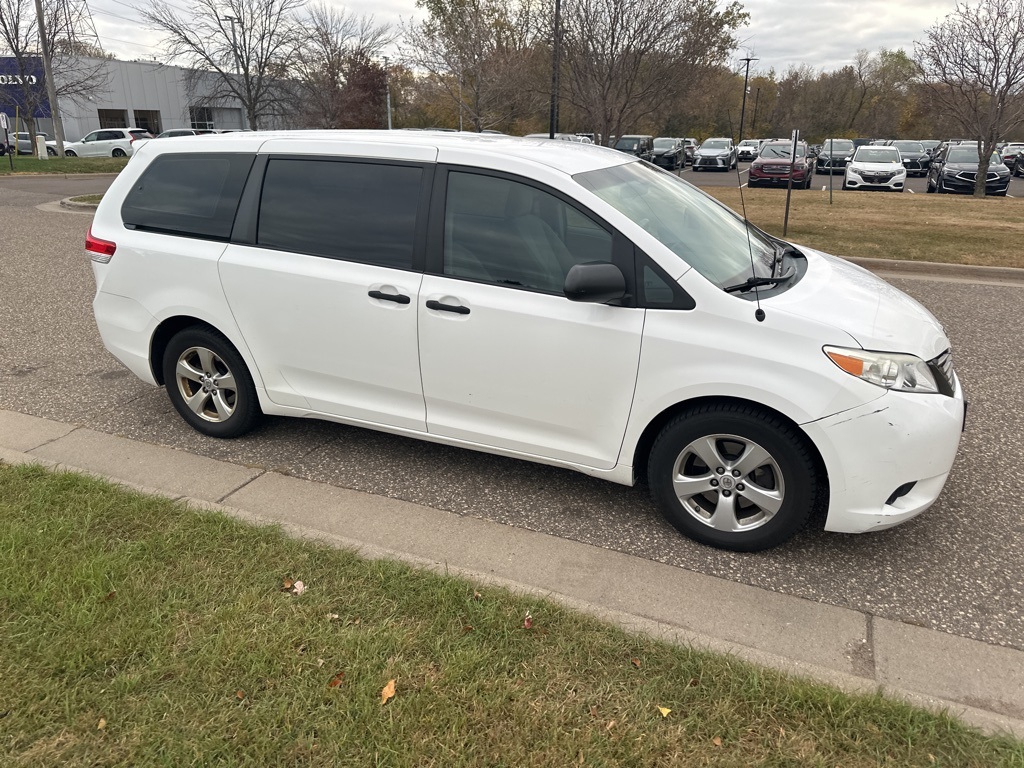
column 128, row 94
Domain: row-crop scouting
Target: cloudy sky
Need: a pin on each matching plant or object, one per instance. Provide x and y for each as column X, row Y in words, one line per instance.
column 824, row 34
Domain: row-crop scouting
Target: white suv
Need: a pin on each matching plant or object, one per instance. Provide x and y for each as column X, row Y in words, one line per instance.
column 555, row 302
column 107, row 142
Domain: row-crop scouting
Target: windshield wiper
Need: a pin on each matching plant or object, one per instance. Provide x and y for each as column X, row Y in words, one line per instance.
column 757, row 282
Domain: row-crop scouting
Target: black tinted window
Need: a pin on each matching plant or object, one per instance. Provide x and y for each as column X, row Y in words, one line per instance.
column 194, row 194
column 343, row 210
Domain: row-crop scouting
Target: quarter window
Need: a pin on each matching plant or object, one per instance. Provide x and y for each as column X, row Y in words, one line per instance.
column 505, row 232
column 194, row 195
column 354, row 211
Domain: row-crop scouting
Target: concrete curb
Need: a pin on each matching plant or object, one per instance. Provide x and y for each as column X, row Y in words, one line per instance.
column 932, row 269
column 846, row 648
column 70, row 203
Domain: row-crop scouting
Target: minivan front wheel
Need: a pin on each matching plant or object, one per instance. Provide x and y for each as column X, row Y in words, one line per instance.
column 733, row 477
column 209, row 383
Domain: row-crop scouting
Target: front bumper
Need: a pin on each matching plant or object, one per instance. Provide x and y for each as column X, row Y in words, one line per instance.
column 712, row 163
column 965, row 186
column 765, row 178
column 667, row 161
column 830, row 165
column 876, row 449
column 869, row 181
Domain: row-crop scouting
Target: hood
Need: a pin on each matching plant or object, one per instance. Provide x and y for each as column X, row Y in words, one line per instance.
column 713, row 152
column 877, row 167
column 877, row 315
column 971, row 167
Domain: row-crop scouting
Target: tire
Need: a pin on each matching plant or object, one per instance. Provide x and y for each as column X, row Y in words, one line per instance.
column 51, row 151
column 774, row 477
column 118, row 152
column 70, row 153
column 199, row 366
column 844, row 185
column 929, row 187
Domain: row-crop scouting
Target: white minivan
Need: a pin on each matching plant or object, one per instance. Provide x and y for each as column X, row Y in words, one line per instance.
column 551, row 301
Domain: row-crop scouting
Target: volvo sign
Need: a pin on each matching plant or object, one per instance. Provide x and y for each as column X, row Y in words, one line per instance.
column 23, row 87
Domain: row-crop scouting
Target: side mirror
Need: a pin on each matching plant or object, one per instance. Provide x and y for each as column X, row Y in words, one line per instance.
column 596, row 282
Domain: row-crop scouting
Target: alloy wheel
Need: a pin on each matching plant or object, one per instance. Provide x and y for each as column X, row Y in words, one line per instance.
column 206, row 384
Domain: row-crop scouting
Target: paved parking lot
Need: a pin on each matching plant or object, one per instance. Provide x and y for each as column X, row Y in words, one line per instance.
column 957, row 568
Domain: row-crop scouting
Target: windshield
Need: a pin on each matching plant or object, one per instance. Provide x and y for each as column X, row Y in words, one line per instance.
column 870, row 154
column 715, row 144
column 749, row 143
column 913, row 147
column 837, row 145
column 969, row 155
column 664, row 143
column 783, row 150
column 629, row 144
column 693, row 225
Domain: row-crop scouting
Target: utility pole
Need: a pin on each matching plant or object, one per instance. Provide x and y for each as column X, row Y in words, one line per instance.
column 234, row 40
column 556, row 54
column 387, row 87
column 51, row 87
column 746, row 76
column 757, row 98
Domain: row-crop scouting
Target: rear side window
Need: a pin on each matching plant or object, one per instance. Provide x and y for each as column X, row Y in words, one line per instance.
column 194, row 195
column 355, row 211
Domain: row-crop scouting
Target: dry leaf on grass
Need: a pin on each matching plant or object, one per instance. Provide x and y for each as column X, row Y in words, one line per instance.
column 336, row 680
column 298, row 588
column 477, row 596
column 635, row 663
column 101, row 724
column 287, row 584
column 611, row 724
column 110, row 596
column 239, row 694
column 664, row 711
column 717, row 741
column 388, row 693
column 528, row 621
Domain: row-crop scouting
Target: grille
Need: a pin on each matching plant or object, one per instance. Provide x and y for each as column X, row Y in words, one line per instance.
column 779, row 169
column 942, row 366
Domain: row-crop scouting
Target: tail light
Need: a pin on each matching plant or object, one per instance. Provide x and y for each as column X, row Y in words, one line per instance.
column 99, row 250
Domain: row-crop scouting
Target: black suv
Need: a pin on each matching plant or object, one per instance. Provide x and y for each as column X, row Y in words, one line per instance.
column 637, row 144
column 834, row 156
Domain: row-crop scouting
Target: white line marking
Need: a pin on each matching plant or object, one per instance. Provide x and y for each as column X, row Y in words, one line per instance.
column 911, row 191
column 743, row 185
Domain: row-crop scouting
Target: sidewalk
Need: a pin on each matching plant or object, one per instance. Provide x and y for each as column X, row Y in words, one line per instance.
column 983, row 684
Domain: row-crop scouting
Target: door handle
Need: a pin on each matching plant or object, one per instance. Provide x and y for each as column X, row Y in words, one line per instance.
column 398, row 298
column 456, row 308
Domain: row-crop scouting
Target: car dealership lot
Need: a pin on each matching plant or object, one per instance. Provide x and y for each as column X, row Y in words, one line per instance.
column 956, row 568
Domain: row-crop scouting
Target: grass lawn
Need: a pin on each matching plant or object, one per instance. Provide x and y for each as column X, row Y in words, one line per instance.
column 138, row 632
column 28, row 164
column 90, row 199
column 953, row 229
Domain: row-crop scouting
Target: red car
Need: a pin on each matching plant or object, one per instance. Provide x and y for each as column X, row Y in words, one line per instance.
column 775, row 166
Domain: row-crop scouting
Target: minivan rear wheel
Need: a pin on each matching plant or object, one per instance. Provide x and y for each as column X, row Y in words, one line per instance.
column 734, row 477
column 209, row 383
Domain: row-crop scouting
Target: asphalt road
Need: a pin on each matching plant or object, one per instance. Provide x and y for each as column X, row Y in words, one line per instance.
column 915, row 184
column 957, row 568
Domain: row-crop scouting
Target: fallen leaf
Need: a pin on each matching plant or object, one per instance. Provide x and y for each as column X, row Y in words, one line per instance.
column 593, row 711
column 357, row 621
column 717, row 741
column 101, row 724
column 931, row 757
column 298, row 588
column 581, row 757
column 664, row 711
column 611, row 724
column 336, row 680
column 333, row 617
column 388, row 692
column 477, row 596
column 466, row 628
column 528, row 621
column 110, row 595
column 320, row 662
column 239, row 694
column 635, row 663
column 287, row 584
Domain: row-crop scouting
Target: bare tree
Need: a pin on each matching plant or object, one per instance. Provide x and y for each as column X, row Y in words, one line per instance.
column 972, row 64
column 625, row 57
column 340, row 85
column 478, row 54
column 77, row 72
column 235, row 49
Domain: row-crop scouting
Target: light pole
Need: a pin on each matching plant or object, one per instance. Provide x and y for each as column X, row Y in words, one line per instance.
column 746, row 76
column 234, row 40
column 757, row 98
column 556, row 53
column 387, row 88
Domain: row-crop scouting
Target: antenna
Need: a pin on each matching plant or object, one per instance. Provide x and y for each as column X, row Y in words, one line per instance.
column 759, row 314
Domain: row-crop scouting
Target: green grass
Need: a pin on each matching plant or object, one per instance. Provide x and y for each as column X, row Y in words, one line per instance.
column 953, row 229
column 138, row 632
column 31, row 165
column 89, row 199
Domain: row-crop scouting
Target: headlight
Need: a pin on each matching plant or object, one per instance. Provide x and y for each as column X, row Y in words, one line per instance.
column 1004, row 172
column 848, row 159
column 890, row 370
column 854, row 169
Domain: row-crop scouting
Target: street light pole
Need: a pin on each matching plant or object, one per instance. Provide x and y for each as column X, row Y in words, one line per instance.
column 234, row 40
column 387, row 87
column 746, row 76
column 556, row 54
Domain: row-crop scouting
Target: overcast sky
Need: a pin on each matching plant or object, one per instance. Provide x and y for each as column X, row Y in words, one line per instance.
column 824, row 34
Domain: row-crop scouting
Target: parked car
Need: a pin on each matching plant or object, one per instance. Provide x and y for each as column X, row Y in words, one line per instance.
column 749, row 381
column 25, row 145
column 748, row 149
column 876, row 167
column 955, row 169
column 636, row 144
column 931, row 146
column 915, row 158
column 1018, row 165
column 690, row 145
column 775, row 166
column 715, row 153
column 1010, row 153
column 668, row 153
column 834, row 155
column 107, row 142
